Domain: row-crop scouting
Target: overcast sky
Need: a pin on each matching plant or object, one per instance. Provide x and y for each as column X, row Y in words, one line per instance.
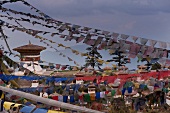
column 143, row 18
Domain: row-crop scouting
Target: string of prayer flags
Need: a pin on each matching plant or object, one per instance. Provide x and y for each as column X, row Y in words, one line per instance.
column 70, row 68
column 143, row 41
column 55, row 48
column 10, row 1
column 79, row 39
column 63, row 67
column 87, row 36
column 143, row 49
column 59, row 45
column 97, row 95
column 87, row 98
column 76, row 27
column 139, row 56
column 115, row 36
column 152, row 42
column 148, row 58
column 123, row 36
column 149, row 50
column 162, row 44
column 58, row 66
column 162, row 61
column 10, row 62
column 100, row 47
column 134, row 38
column 98, row 41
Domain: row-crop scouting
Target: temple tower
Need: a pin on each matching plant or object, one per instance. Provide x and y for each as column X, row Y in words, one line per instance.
column 29, row 52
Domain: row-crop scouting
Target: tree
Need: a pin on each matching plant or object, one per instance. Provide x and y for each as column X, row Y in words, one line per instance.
column 151, row 63
column 120, row 58
column 156, row 66
column 92, row 57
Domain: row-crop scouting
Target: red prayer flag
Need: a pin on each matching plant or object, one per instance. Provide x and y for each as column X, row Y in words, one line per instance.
column 63, row 67
column 107, row 92
column 55, row 98
column 57, row 66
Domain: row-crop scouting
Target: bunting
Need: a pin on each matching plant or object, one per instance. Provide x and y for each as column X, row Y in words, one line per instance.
column 74, row 27
column 83, row 34
column 143, row 41
column 134, row 38
column 123, row 36
column 78, row 39
column 152, row 42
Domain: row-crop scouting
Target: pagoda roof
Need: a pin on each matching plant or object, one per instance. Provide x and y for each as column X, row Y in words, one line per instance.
column 30, row 47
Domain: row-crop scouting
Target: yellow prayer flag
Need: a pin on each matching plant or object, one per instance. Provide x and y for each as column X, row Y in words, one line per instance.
column 106, row 62
column 7, row 105
column 60, row 45
column 83, row 54
column 52, row 111
column 114, row 65
column 148, row 58
column 77, row 53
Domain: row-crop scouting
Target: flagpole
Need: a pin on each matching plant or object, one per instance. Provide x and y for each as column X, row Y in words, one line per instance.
column 4, row 37
column 48, row 101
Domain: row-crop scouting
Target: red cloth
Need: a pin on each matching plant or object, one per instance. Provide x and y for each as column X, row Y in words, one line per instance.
column 163, row 74
column 86, row 78
column 63, row 67
column 58, row 66
column 55, row 98
column 111, row 79
column 106, row 92
column 81, row 97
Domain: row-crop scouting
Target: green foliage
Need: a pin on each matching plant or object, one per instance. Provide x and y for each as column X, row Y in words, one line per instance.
column 94, row 54
column 156, row 66
column 119, row 58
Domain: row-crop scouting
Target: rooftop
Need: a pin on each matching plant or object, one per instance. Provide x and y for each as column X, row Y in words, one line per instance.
column 29, row 46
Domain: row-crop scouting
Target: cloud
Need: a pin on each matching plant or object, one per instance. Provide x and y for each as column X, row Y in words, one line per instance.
column 87, row 7
column 138, row 17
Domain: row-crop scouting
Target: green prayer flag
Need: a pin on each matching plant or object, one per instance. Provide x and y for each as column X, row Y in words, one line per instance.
column 19, row 99
column 70, row 68
column 145, row 87
column 165, row 90
column 128, row 84
column 50, row 97
column 87, row 98
column 113, row 92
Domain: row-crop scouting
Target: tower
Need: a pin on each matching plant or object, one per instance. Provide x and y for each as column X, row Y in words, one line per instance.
column 29, row 52
column 30, row 55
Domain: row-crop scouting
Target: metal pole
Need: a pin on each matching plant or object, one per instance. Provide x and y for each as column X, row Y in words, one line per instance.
column 48, row 101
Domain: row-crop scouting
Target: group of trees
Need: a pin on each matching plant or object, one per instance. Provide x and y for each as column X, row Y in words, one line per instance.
column 94, row 55
column 118, row 57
